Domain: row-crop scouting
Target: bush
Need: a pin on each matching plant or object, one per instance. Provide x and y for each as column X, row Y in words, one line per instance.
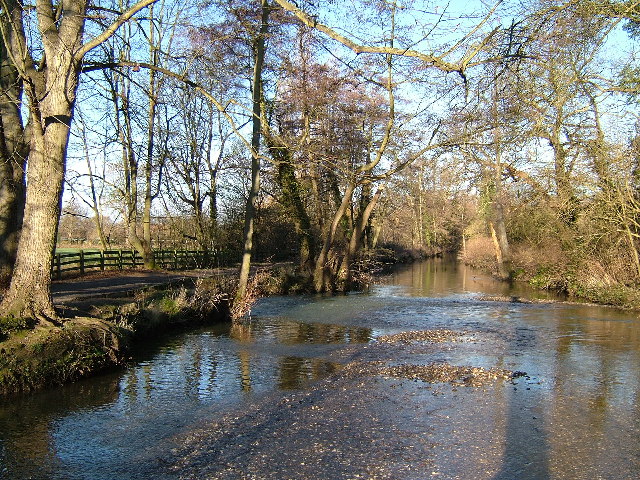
column 547, row 271
column 479, row 253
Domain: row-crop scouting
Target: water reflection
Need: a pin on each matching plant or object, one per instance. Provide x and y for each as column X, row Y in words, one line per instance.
column 290, row 333
column 296, row 372
column 444, row 276
column 27, row 442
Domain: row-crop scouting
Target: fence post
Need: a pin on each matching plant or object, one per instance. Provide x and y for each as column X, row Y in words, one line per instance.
column 101, row 259
column 175, row 260
column 81, row 262
column 119, row 259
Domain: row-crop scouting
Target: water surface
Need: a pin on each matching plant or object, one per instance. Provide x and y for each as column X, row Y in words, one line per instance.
column 271, row 400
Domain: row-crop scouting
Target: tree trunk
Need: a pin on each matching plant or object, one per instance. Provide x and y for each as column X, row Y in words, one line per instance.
column 252, row 199
column 322, row 273
column 12, row 198
column 500, row 241
column 28, row 294
column 147, row 252
column 356, row 239
column 564, row 189
column 51, row 90
column 14, row 150
column 292, row 199
column 50, row 117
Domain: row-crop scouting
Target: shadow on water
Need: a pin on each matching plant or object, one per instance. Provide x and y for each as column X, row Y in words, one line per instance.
column 526, row 451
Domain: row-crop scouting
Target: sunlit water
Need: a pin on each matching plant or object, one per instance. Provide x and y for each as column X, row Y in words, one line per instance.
column 268, row 401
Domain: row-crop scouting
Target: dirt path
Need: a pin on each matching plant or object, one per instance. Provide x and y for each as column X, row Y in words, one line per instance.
column 120, row 283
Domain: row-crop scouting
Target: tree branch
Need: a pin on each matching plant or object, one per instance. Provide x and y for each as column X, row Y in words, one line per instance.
column 222, row 108
column 434, row 60
column 104, row 36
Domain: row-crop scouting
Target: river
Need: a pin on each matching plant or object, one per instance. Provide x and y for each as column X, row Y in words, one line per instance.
column 281, row 399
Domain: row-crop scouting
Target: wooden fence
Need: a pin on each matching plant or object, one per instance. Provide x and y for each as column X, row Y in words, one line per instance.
column 78, row 263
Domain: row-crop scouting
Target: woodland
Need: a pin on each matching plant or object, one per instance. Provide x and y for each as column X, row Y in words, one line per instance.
column 341, row 134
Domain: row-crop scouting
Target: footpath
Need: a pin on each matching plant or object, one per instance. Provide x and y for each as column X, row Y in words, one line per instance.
column 116, row 284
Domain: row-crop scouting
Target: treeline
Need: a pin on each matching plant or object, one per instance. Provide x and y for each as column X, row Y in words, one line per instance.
column 321, row 133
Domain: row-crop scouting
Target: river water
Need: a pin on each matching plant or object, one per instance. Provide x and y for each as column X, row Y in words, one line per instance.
column 277, row 399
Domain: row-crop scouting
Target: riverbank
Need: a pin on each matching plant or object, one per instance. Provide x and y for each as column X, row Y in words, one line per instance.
column 580, row 280
column 107, row 316
column 100, row 329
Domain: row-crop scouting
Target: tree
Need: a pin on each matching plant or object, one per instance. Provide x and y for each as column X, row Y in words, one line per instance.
column 48, row 62
column 14, row 150
column 75, row 225
column 196, row 154
column 259, row 49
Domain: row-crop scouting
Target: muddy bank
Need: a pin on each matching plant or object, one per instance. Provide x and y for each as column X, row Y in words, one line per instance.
column 100, row 334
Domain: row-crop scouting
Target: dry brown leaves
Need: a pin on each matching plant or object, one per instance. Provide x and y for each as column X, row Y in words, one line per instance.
column 433, row 373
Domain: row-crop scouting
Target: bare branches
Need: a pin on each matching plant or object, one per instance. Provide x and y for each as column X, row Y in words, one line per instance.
column 437, row 61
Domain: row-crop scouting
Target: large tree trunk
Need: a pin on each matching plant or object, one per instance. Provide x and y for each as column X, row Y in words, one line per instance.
column 51, row 90
column 14, row 149
column 565, row 194
column 29, row 293
column 147, row 252
column 12, row 197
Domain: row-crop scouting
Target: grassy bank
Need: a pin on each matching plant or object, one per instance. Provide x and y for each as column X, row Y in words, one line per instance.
column 37, row 357
column 585, row 279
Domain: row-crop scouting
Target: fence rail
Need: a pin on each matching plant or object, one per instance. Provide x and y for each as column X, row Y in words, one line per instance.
column 78, row 263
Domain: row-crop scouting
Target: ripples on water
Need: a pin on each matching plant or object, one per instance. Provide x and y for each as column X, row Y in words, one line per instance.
column 576, row 416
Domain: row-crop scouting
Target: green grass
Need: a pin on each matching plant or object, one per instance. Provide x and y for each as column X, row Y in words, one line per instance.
column 76, row 250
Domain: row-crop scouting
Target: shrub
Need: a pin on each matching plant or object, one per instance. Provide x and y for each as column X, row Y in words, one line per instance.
column 479, row 252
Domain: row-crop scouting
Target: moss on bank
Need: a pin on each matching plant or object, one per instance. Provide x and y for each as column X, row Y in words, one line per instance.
column 48, row 356
column 37, row 357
